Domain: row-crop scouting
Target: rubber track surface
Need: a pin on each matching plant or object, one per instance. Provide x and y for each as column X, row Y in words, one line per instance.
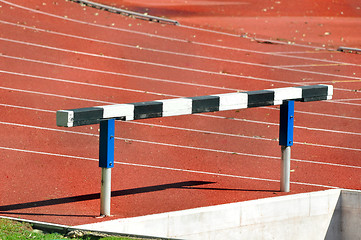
column 61, row 55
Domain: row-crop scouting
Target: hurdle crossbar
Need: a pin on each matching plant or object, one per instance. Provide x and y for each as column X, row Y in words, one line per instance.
column 106, row 116
column 191, row 105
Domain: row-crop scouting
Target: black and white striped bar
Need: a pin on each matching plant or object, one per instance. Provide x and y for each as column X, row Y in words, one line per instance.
column 191, row 105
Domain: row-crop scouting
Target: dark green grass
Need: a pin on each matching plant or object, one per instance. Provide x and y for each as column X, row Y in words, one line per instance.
column 14, row 230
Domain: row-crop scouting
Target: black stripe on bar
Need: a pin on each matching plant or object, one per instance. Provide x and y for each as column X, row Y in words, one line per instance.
column 260, row 98
column 91, row 113
column 205, row 104
column 86, row 122
column 314, row 93
column 144, row 110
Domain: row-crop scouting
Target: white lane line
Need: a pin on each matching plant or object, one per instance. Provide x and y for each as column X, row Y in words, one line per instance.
column 346, row 103
column 151, row 78
column 54, row 95
column 128, row 46
column 168, row 144
column 319, row 114
column 145, row 141
column 149, row 142
column 86, row 84
column 346, row 99
column 153, row 93
column 27, row 108
column 173, row 66
column 316, row 59
column 308, row 51
column 132, row 60
column 147, row 49
column 252, row 38
column 319, row 73
column 155, row 35
column 118, row 74
column 163, row 168
column 125, row 45
column 90, row 23
column 113, row 58
column 276, row 124
column 313, row 65
column 332, row 81
column 243, row 136
column 328, row 115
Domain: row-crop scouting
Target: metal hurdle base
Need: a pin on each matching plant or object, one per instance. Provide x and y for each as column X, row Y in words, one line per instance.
column 106, row 162
column 286, row 141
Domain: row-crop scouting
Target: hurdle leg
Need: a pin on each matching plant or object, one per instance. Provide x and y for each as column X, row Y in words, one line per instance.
column 106, row 162
column 285, row 168
column 286, row 141
column 105, row 194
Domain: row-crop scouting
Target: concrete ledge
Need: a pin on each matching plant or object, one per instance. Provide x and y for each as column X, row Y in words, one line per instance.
column 316, row 215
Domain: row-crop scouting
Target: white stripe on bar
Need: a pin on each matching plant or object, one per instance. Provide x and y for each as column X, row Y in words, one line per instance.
column 286, row 94
column 329, row 91
column 119, row 110
column 229, row 101
column 176, row 107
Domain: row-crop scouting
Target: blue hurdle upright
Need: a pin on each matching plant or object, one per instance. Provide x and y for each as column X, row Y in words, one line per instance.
column 106, row 116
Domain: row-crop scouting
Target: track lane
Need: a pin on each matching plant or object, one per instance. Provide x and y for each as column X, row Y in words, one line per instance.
column 239, row 144
column 32, row 35
column 338, row 57
column 157, row 35
column 221, row 69
column 150, row 69
column 170, row 69
column 176, row 161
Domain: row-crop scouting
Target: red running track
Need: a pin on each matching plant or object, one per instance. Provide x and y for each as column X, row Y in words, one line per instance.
column 61, row 55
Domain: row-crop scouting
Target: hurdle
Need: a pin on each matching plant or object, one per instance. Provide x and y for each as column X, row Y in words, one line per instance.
column 106, row 116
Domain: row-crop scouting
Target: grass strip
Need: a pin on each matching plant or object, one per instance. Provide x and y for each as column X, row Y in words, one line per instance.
column 14, row 230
